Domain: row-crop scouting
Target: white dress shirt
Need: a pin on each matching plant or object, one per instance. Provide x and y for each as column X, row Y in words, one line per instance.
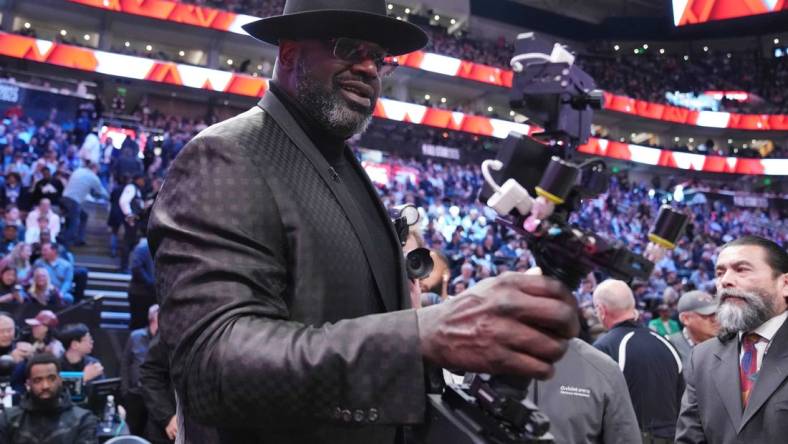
column 767, row 330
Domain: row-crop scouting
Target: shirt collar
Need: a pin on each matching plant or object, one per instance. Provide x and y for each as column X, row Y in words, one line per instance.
column 768, row 329
column 687, row 336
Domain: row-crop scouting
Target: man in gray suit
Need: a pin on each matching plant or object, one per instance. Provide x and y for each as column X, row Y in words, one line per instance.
column 698, row 314
column 283, row 294
column 736, row 384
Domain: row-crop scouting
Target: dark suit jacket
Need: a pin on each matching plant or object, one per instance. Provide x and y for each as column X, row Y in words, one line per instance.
column 711, row 410
column 270, row 293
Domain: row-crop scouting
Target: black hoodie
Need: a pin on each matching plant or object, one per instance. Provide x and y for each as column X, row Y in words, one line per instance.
column 65, row 424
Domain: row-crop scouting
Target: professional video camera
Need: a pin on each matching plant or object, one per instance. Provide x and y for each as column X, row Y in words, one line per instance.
column 540, row 188
column 418, row 263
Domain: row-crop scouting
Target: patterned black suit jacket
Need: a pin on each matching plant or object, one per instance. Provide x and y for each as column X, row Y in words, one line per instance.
column 270, row 298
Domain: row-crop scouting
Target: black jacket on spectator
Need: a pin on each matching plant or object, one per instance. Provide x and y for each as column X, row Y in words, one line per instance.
column 21, row 198
column 157, row 390
column 68, row 425
column 66, row 366
column 51, row 189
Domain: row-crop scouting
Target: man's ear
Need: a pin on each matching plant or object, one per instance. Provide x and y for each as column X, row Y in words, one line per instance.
column 782, row 286
column 289, row 52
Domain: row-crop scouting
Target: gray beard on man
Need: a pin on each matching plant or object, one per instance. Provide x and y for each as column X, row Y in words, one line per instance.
column 736, row 317
column 330, row 109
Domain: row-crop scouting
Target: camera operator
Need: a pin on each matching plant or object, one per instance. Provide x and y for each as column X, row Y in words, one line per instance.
column 46, row 414
column 587, row 399
column 651, row 366
column 284, row 299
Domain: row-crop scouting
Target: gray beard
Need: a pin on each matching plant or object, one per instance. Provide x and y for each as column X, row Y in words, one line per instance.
column 735, row 318
column 329, row 108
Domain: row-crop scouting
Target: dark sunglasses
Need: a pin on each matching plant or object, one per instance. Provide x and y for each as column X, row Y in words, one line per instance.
column 357, row 51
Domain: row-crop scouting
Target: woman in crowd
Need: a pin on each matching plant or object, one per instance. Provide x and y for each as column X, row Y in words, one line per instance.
column 19, row 259
column 42, row 333
column 41, row 290
column 10, row 290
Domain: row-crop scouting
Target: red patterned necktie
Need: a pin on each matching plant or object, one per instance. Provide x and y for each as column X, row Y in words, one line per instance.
column 748, row 366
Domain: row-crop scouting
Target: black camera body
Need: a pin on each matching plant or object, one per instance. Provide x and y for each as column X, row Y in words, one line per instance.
column 418, row 262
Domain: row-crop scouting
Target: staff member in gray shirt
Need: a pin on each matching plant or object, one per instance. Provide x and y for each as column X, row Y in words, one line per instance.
column 587, row 399
column 83, row 182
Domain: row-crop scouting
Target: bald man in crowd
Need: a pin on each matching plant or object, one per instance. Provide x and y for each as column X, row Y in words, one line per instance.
column 651, row 366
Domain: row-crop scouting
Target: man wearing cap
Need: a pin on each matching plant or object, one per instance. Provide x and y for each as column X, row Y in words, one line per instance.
column 284, row 297
column 698, row 314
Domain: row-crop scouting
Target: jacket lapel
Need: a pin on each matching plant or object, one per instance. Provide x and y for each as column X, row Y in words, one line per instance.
column 279, row 113
column 773, row 372
column 726, row 376
column 402, row 287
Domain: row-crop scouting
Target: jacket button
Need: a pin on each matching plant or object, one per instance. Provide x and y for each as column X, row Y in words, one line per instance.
column 346, row 415
column 373, row 415
column 358, row 416
column 337, row 413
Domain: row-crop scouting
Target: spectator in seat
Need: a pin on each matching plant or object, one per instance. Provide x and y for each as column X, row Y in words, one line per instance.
column 61, row 271
column 46, row 414
column 33, row 234
column 10, row 239
column 19, row 259
column 664, row 325
column 42, row 333
column 18, row 350
column 48, row 187
column 133, row 356
column 10, row 290
column 465, row 277
column 78, row 342
column 14, row 193
column 41, row 291
column 44, row 210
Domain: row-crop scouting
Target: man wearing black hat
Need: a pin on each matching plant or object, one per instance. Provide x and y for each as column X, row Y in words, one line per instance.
column 284, row 297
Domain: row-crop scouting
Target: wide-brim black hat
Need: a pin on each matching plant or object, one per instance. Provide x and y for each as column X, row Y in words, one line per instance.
column 358, row 19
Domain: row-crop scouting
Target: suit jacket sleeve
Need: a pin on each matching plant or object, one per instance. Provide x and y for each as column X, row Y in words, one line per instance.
column 125, row 364
column 156, row 386
column 222, row 275
column 689, row 430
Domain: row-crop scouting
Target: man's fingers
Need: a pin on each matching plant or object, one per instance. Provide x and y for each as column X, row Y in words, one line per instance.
column 526, row 339
column 537, row 285
column 520, row 364
column 549, row 314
